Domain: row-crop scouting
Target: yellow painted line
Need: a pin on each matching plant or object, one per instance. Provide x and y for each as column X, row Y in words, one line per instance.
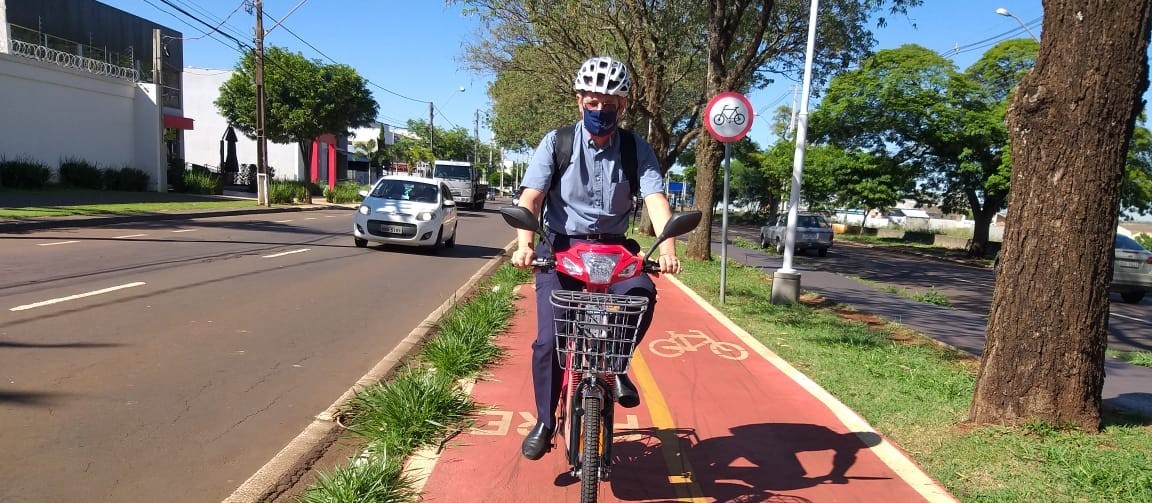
column 679, row 470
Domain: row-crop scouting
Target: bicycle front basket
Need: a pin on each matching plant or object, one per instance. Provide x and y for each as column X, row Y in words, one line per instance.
column 596, row 332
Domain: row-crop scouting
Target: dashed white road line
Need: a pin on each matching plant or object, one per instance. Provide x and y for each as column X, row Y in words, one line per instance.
column 130, row 236
column 281, row 221
column 57, row 243
column 77, row 296
column 274, row 255
column 185, row 230
column 1146, row 322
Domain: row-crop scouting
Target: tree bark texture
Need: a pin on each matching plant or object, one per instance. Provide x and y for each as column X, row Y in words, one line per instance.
column 1070, row 123
column 709, row 154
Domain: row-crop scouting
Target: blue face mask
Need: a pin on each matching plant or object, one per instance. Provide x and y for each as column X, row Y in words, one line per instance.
column 600, row 122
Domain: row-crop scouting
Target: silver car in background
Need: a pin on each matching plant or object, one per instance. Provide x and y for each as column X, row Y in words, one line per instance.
column 1131, row 269
column 406, row 210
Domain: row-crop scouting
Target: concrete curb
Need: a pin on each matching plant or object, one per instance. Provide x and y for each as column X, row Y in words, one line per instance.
column 284, row 470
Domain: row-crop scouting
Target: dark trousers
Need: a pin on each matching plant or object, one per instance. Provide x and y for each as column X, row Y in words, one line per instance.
column 546, row 372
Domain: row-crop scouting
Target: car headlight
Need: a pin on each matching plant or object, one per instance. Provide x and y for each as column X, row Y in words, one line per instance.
column 364, row 209
column 424, row 216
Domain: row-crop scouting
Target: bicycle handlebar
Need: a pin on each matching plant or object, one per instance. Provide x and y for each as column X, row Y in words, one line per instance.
column 546, row 263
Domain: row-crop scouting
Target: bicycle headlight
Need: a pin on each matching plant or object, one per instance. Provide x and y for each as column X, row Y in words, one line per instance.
column 600, row 266
column 571, row 266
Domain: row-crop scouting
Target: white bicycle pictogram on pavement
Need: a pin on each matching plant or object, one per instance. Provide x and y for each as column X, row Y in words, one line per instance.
column 678, row 343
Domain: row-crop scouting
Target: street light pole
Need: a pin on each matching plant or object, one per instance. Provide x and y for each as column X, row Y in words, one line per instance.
column 786, row 280
column 1004, row 12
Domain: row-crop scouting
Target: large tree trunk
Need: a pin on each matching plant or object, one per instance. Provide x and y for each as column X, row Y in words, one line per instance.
column 1070, row 122
column 708, row 157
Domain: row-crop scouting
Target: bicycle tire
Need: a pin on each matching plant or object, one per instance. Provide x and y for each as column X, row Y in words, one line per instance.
column 590, row 455
column 738, row 119
column 728, row 350
column 719, row 120
column 669, row 349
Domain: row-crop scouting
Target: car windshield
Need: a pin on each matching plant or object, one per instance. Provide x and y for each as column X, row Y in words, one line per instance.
column 404, row 190
column 811, row 221
column 452, row 172
column 1126, row 243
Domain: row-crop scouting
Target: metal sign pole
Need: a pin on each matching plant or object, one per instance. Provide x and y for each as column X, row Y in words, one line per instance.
column 724, row 224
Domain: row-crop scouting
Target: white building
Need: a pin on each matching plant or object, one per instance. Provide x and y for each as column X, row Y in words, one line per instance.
column 202, row 145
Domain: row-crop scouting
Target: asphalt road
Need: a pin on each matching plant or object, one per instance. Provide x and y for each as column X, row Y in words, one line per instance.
column 169, row 360
column 968, row 288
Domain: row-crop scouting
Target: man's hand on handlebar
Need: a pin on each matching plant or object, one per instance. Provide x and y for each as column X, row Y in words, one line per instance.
column 523, row 257
column 669, row 263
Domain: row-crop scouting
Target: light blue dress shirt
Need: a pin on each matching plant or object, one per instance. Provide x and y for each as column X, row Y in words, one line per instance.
column 593, row 195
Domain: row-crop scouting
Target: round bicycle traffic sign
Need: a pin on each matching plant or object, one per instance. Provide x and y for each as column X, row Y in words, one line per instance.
column 728, row 117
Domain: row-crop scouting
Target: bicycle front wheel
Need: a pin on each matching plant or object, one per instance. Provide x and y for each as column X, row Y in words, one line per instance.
column 590, row 455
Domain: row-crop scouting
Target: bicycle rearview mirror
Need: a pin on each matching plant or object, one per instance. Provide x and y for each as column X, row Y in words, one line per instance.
column 679, row 224
column 520, row 218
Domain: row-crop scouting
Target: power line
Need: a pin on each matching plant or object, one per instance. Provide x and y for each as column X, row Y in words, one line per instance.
column 990, row 41
column 178, row 18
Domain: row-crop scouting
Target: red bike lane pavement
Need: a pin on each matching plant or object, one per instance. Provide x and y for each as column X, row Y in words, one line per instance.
column 721, row 419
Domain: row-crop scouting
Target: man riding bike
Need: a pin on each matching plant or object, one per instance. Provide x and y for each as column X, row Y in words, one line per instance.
column 588, row 198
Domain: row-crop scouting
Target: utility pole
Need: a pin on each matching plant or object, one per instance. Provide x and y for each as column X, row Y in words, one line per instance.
column 476, row 143
column 261, row 140
column 431, row 132
column 158, row 79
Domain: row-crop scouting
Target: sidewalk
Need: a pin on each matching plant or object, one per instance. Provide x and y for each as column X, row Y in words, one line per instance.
column 732, row 424
column 1126, row 386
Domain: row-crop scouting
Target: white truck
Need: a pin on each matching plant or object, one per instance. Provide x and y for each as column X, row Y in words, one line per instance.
column 464, row 180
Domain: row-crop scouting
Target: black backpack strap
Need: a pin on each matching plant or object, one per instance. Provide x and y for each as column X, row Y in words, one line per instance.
column 562, row 151
column 628, row 157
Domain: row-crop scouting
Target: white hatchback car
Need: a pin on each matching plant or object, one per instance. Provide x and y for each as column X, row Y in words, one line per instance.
column 406, row 210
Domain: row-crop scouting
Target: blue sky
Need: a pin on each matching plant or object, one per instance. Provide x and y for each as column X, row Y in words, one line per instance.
column 411, row 49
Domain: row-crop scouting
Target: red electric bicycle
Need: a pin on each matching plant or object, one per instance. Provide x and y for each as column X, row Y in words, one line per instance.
column 595, row 336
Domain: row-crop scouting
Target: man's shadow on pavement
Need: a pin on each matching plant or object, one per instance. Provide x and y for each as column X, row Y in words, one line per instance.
column 745, row 467
column 760, row 458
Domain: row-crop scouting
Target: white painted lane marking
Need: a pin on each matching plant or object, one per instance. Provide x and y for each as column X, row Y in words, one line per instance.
column 130, row 236
column 185, row 230
column 1138, row 320
column 57, row 243
column 302, row 250
column 310, row 218
column 74, row 297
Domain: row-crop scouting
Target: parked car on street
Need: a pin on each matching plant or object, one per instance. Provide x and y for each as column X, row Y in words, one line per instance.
column 406, row 210
column 1131, row 269
column 813, row 232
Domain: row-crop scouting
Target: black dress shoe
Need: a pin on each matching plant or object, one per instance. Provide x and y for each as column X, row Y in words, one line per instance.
column 626, row 394
column 538, row 441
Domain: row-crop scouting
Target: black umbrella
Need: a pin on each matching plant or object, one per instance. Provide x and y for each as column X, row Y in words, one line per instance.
column 228, row 162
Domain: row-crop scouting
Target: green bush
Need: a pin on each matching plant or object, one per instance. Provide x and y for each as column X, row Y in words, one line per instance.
column 345, row 192
column 317, row 189
column 24, row 173
column 201, row 181
column 286, row 191
column 1145, row 240
column 126, row 179
column 80, row 173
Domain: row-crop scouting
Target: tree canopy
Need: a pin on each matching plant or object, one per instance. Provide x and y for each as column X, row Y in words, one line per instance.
column 305, row 98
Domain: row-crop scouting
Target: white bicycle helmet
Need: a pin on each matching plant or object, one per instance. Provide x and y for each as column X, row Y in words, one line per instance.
column 603, row 75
